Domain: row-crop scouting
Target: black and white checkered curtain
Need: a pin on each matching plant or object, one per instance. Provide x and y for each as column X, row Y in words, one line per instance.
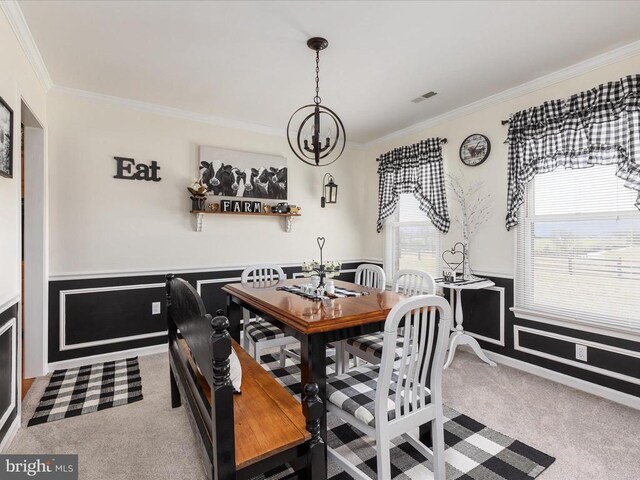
column 600, row 126
column 414, row 169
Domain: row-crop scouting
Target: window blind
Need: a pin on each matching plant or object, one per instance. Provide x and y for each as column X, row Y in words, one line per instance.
column 412, row 240
column 578, row 251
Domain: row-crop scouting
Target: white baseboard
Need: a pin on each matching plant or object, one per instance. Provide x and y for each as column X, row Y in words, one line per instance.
column 577, row 383
column 8, row 438
column 107, row 357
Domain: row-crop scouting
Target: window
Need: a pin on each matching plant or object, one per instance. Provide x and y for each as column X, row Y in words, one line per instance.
column 578, row 252
column 411, row 239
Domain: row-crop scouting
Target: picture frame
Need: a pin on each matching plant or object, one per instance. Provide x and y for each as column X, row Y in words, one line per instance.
column 6, row 139
column 243, row 175
column 475, row 149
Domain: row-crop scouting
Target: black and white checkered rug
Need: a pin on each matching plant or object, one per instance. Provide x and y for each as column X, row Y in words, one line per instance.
column 472, row 451
column 86, row 389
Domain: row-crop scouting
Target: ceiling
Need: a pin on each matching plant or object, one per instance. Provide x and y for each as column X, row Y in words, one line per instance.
column 248, row 61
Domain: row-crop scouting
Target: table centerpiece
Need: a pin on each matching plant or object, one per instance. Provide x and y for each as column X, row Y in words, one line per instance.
column 321, row 269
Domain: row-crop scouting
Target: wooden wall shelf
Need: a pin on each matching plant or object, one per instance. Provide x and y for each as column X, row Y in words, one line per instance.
column 287, row 218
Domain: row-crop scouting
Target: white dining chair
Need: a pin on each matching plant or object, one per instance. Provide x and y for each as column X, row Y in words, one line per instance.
column 259, row 333
column 372, row 276
column 369, row 347
column 367, row 275
column 395, row 398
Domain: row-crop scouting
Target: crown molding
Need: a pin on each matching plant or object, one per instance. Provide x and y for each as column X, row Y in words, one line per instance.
column 15, row 17
column 18, row 23
column 163, row 110
column 539, row 83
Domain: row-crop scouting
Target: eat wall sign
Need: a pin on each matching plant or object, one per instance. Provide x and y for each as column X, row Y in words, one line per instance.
column 125, row 170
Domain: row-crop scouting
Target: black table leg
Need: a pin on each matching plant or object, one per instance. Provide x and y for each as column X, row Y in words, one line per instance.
column 313, row 367
column 426, row 434
column 234, row 313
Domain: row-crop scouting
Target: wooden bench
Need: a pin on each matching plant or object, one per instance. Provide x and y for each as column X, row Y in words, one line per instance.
column 240, row 435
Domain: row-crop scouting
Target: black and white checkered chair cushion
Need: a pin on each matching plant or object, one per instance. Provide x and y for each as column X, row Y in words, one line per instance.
column 372, row 344
column 260, row 331
column 355, row 393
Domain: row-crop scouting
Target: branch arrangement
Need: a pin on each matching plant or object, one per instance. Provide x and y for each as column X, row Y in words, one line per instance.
column 475, row 210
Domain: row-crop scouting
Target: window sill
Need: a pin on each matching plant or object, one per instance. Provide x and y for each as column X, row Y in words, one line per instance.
column 615, row 331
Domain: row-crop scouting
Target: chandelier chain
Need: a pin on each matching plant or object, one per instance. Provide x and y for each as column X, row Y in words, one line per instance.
column 317, row 98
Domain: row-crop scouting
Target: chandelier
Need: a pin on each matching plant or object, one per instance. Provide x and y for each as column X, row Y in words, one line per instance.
column 319, row 138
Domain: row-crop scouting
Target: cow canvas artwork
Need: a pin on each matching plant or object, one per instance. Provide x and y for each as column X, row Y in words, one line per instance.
column 232, row 173
column 6, row 140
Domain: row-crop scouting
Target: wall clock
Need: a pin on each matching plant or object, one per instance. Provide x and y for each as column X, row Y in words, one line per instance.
column 475, row 149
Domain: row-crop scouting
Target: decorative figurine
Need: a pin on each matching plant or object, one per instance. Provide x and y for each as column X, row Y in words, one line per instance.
column 198, row 193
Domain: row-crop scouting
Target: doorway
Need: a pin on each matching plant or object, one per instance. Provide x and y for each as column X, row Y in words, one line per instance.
column 34, row 248
column 26, row 382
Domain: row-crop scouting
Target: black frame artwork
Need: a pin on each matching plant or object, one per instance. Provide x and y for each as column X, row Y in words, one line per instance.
column 6, row 141
column 243, row 175
column 470, row 159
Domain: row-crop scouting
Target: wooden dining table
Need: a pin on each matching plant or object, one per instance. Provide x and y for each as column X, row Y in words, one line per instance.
column 315, row 323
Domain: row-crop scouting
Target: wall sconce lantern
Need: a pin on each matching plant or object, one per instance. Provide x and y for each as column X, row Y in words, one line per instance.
column 329, row 190
column 315, row 133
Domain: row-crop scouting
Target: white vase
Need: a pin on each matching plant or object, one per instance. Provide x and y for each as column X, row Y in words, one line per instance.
column 466, row 267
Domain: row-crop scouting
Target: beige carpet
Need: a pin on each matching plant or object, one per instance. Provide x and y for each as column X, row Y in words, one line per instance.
column 591, row 438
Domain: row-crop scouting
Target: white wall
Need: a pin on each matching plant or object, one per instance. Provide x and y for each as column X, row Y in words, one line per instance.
column 492, row 249
column 17, row 80
column 103, row 225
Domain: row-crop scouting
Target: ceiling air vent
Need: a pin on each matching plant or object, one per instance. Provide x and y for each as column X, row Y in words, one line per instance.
column 424, row 97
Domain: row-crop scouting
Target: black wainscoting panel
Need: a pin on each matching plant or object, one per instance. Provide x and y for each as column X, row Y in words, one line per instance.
column 543, row 344
column 211, row 292
column 614, row 362
column 113, row 311
column 213, row 297
column 7, row 349
column 581, row 334
column 347, row 277
column 98, row 316
column 6, row 369
column 581, row 373
column 481, row 312
column 105, row 316
column 609, row 361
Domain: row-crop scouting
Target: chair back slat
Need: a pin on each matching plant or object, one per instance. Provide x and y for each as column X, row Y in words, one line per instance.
column 411, row 381
column 418, row 373
column 403, row 367
column 413, row 282
column 262, row 275
column 417, row 393
column 428, row 353
column 187, row 312
column 371, row 276
column 416, row 350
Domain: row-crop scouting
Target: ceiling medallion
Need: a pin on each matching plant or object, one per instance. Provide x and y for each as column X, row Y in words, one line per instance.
column 319, row 138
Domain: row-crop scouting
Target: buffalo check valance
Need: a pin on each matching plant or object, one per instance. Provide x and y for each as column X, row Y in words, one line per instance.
column 415, row 169
column 600, row 126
